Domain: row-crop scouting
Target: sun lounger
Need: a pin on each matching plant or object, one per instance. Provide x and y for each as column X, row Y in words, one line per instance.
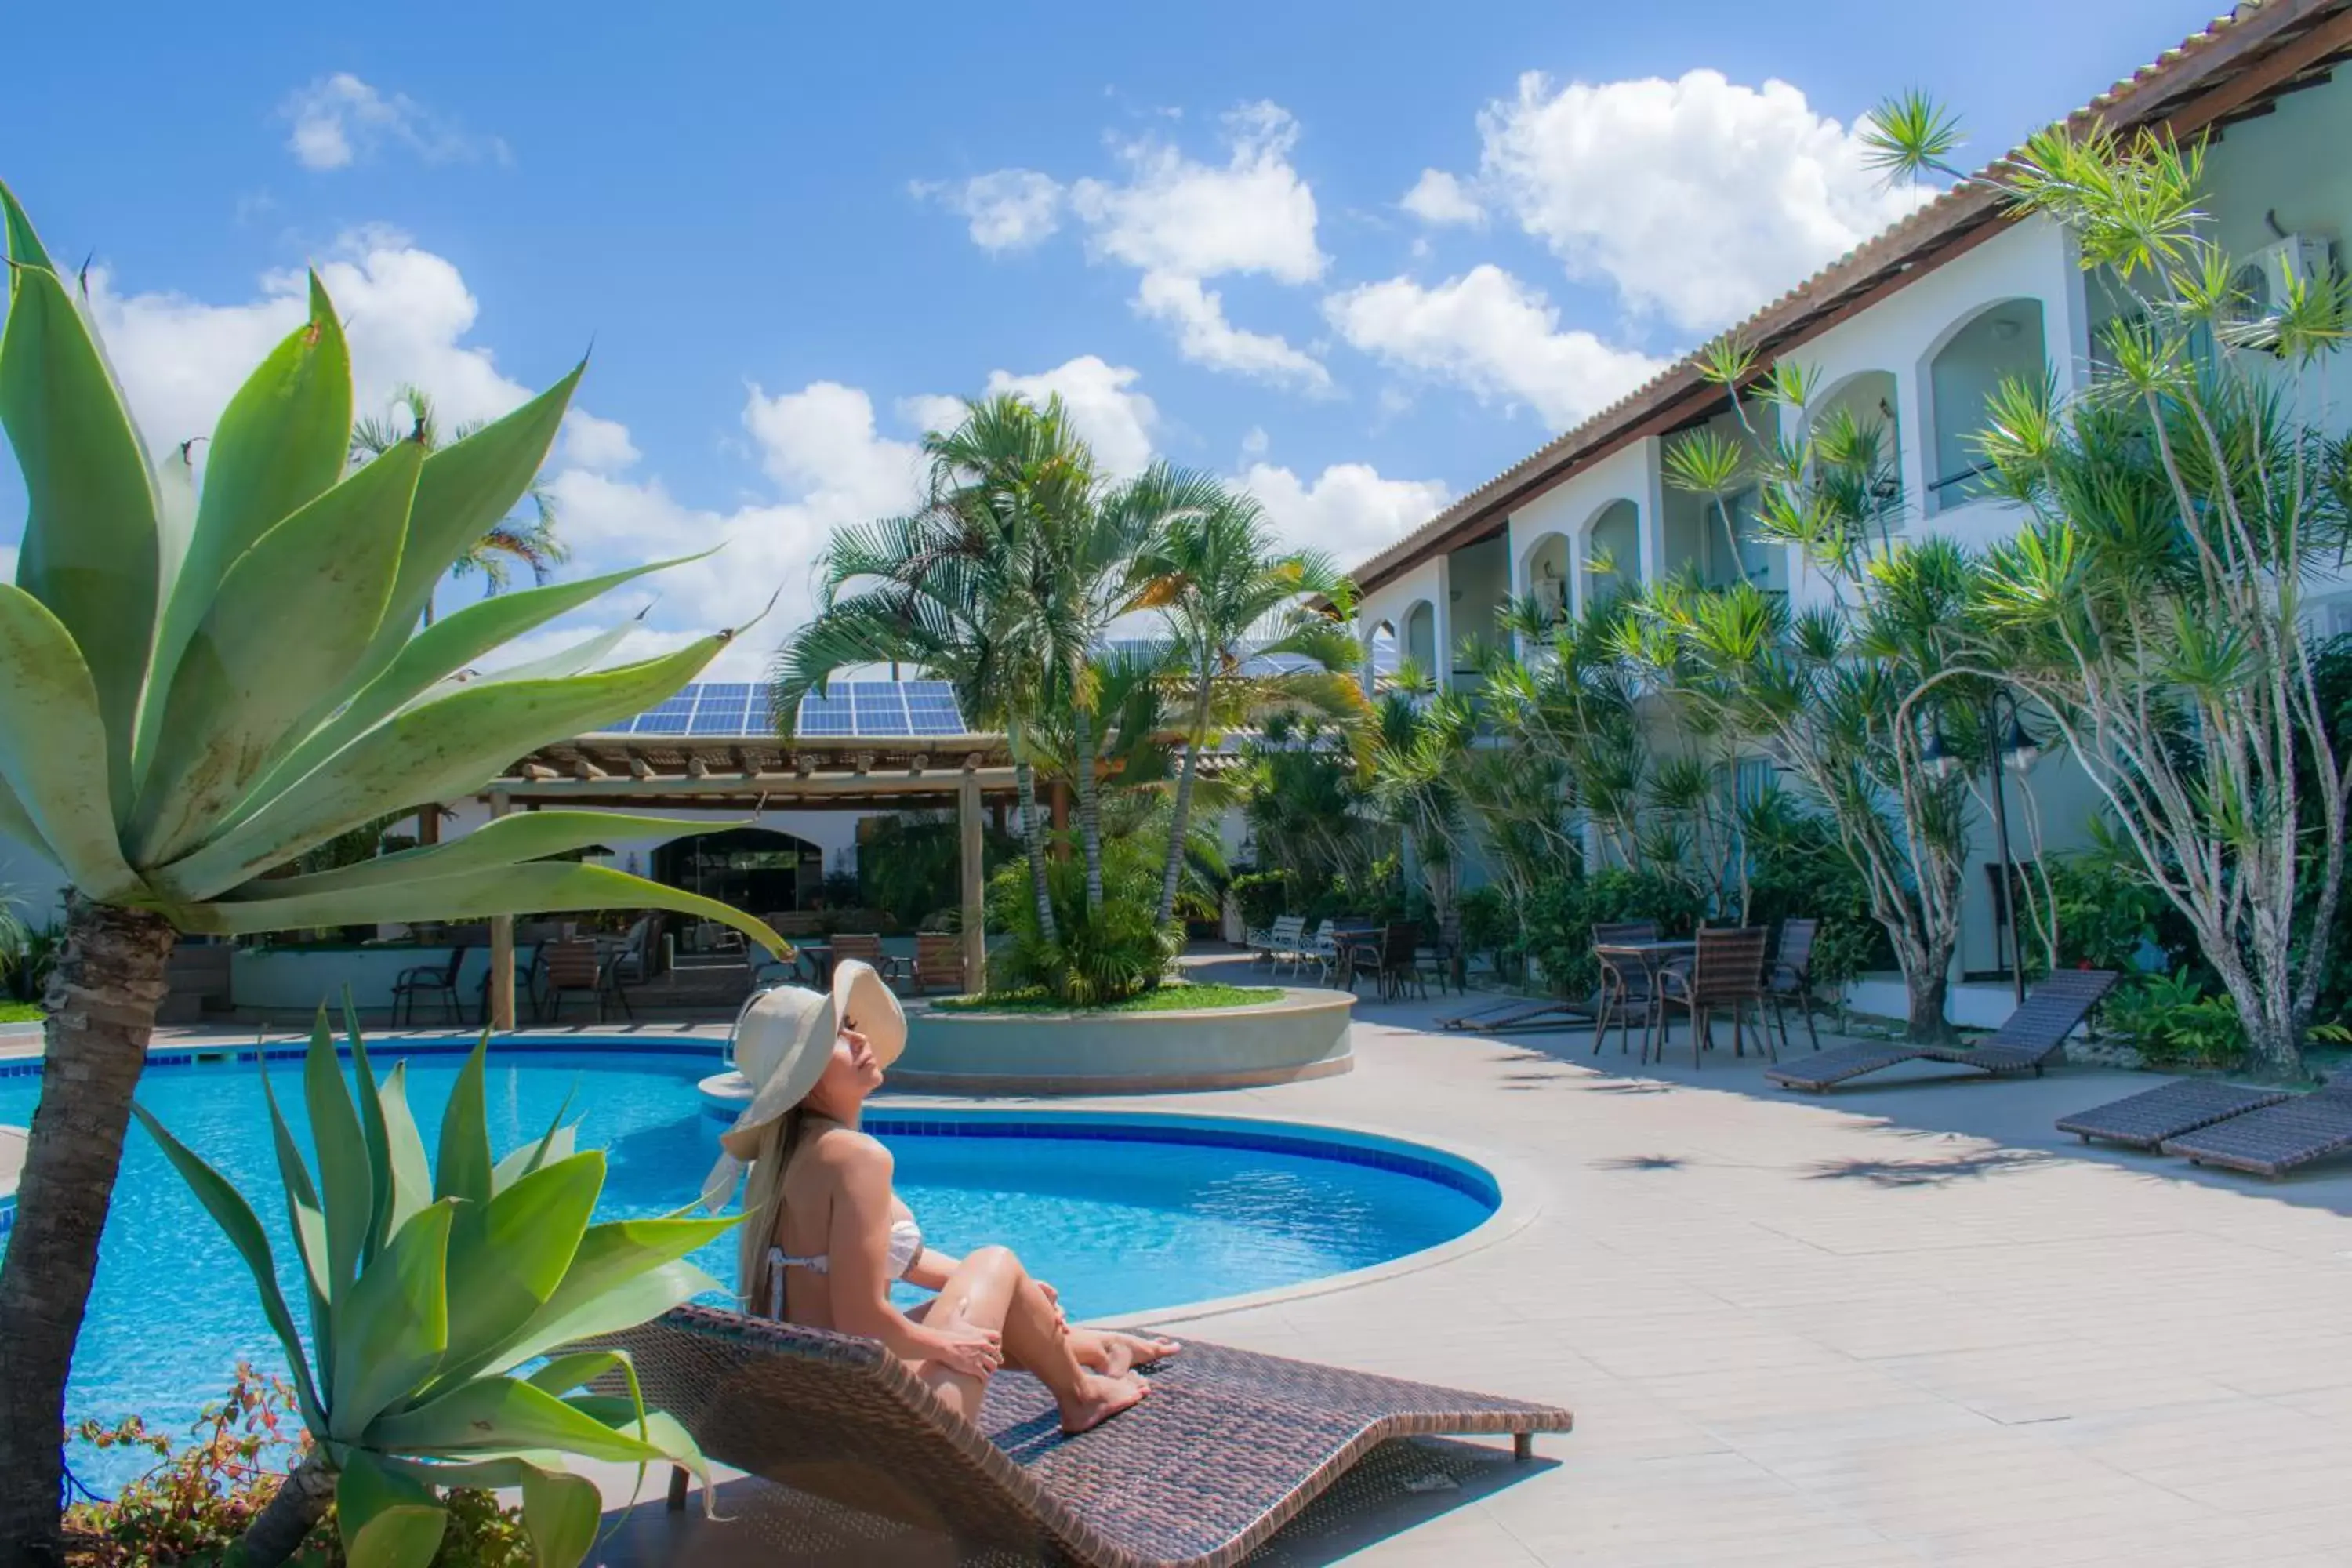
column 2277, row 1138
column 1229, row 1445
column 1521, row 1014
column 2033, row 1034
column 2145, row 1119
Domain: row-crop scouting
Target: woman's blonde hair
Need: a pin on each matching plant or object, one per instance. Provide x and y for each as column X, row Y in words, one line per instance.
column 763, row 1214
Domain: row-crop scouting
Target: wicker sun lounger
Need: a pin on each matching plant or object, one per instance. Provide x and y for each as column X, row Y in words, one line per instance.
column 1521, row 1014
column 1229, row 1445
column 2145, row 1119
column 2033, row 1034
column 2276, row 1138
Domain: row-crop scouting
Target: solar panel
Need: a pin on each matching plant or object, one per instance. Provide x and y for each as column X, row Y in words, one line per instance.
column 825, row 716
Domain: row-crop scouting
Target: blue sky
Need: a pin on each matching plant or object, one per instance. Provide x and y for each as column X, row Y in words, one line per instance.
column 1354, row 256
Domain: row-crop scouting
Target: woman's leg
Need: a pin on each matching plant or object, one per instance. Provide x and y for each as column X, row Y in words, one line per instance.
column 990, row 1290
column 1113, row 1350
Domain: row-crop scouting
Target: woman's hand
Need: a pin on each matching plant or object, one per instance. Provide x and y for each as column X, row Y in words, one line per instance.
column 975, row 1352
column 1053, row 1300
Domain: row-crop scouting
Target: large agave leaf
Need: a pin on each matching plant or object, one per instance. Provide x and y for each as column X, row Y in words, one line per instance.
column 508, row 1259
column 563, row 1373
column 504, row 1413
column 509, row 841
column 577, row 659
column 291, row 617
column 559, row 1513
column 16, row 822
column 440, row 750
column 344, row 1182
column 55, row 750
column 463, row 1168
column 465, row 487
column 620, row 1267
column 394, row 1328
column 90, row 552
column 412, row 1177
column 541, row 886
column 373, row 1131
column 236, row 1217
column 388, row 1518
column 560, row 1143
column 281, row 442
column 432, row 656
column 306, row 1219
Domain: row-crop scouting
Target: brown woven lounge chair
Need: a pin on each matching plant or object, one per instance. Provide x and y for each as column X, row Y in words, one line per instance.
column 2033, row 1034
column 2277, row 1138
column 1229, row 1446
column 2145, row 1119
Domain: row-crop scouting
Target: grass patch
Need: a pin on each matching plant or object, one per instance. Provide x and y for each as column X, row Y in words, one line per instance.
column 20, row 1013
column 1166, row 999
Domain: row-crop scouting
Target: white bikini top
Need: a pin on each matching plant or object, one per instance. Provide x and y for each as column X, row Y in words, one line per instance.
column 905, row 1246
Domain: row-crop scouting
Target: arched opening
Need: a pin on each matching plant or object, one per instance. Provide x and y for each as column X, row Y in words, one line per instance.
column 1856, row 426
column 1543, row 576
column 1613, row 552
column 756, row 869
column 1381, row 655
column 1421, row 638
column 2002, row 342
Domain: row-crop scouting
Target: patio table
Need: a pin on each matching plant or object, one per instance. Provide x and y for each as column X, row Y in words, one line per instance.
column 1653, row 957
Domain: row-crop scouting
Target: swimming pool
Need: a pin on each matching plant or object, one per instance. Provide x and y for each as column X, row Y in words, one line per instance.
column 1122, row 1214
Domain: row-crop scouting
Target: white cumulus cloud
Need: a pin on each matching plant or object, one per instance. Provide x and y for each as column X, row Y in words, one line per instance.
column 1117, row 421
column 1440, row 198
column 1349, row 510
column 1254, row 214
column 1204, row 337
column 603, row 444
column 339, row 120
column 1009, row 209
column 1487, row 331
column 1699, row 198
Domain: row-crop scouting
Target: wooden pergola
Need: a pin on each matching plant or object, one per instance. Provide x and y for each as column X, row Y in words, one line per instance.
column 626, row 773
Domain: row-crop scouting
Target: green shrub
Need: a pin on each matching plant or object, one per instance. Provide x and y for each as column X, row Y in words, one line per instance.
column 1103, row 955
column 1489, row 924
column 1797, row 870
column 1263, row 898
column 2172, row 1022
column 204, row 1492
column 1560, row 916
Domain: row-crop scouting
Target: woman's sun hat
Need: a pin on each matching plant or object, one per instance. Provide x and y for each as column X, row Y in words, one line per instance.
column 784, row 1037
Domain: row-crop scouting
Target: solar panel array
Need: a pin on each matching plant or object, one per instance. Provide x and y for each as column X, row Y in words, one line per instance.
column 732, row 709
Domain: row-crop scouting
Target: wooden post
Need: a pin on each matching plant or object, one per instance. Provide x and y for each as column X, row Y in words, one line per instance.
column 502, row 975
column 975, row 908
column 1058, row 803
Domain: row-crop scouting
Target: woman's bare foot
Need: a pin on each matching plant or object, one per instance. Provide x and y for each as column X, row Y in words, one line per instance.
column 1098, row 1398
column 1114, row 1353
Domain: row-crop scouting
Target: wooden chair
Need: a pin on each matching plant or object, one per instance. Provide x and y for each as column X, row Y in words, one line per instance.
column 938, row 960
column 1727, row 976
column 1625, row 987
column 867, row 947
column 574, row 968
column 1790, row 977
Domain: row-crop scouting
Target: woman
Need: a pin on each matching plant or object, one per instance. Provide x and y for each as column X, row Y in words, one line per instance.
column 824, row 1236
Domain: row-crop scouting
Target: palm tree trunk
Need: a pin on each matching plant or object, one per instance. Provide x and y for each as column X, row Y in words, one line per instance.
column 292, row 1515
column 101, row 1000
column 1178, row 828
column 1033, row 839
column 1082, row 721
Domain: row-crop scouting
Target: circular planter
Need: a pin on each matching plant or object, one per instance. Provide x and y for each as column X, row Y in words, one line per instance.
column 1302, row 1035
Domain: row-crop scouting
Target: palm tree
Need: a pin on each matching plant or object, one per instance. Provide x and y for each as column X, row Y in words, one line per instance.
column 966, row 586
column 1227, row 597
column 525, row 537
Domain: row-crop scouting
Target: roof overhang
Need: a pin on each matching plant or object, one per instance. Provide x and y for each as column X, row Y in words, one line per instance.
column 2232, row 70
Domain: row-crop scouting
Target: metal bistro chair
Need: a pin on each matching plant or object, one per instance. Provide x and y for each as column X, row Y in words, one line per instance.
column 1790, row 977
column 438, row 981
column 1443, row 953
column 1393, row 961
column 574, row 966
column 1625, row 988
column 1726, row 973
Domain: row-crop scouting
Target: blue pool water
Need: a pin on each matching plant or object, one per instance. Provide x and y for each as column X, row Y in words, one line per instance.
column 1127, row 1216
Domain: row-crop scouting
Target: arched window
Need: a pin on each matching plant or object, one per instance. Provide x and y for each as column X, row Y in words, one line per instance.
column 1543, row 575
column 1856, row 425
column 2002, row 342
column 1613, row 552
column 1421, row 638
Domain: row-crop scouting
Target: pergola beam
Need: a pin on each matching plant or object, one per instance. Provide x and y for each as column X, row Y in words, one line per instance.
column 782, row 789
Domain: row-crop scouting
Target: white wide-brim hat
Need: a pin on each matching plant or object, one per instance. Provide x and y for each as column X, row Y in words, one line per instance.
column 784, row 1037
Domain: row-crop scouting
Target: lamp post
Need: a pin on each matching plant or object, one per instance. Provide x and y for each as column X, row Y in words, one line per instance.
column 2011, row 748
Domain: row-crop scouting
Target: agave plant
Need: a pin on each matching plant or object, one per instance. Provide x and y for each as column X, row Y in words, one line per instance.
column 196, row 685
column 429, row 1290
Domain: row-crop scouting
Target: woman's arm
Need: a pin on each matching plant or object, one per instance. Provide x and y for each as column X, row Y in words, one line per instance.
column 932, row 1269
column 859, row 1273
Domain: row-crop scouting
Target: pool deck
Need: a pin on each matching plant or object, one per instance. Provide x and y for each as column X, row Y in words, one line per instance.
column 1906, row 1322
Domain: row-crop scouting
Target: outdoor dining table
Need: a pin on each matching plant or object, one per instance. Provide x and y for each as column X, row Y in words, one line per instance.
column 820, row 960
column 1653, row 957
